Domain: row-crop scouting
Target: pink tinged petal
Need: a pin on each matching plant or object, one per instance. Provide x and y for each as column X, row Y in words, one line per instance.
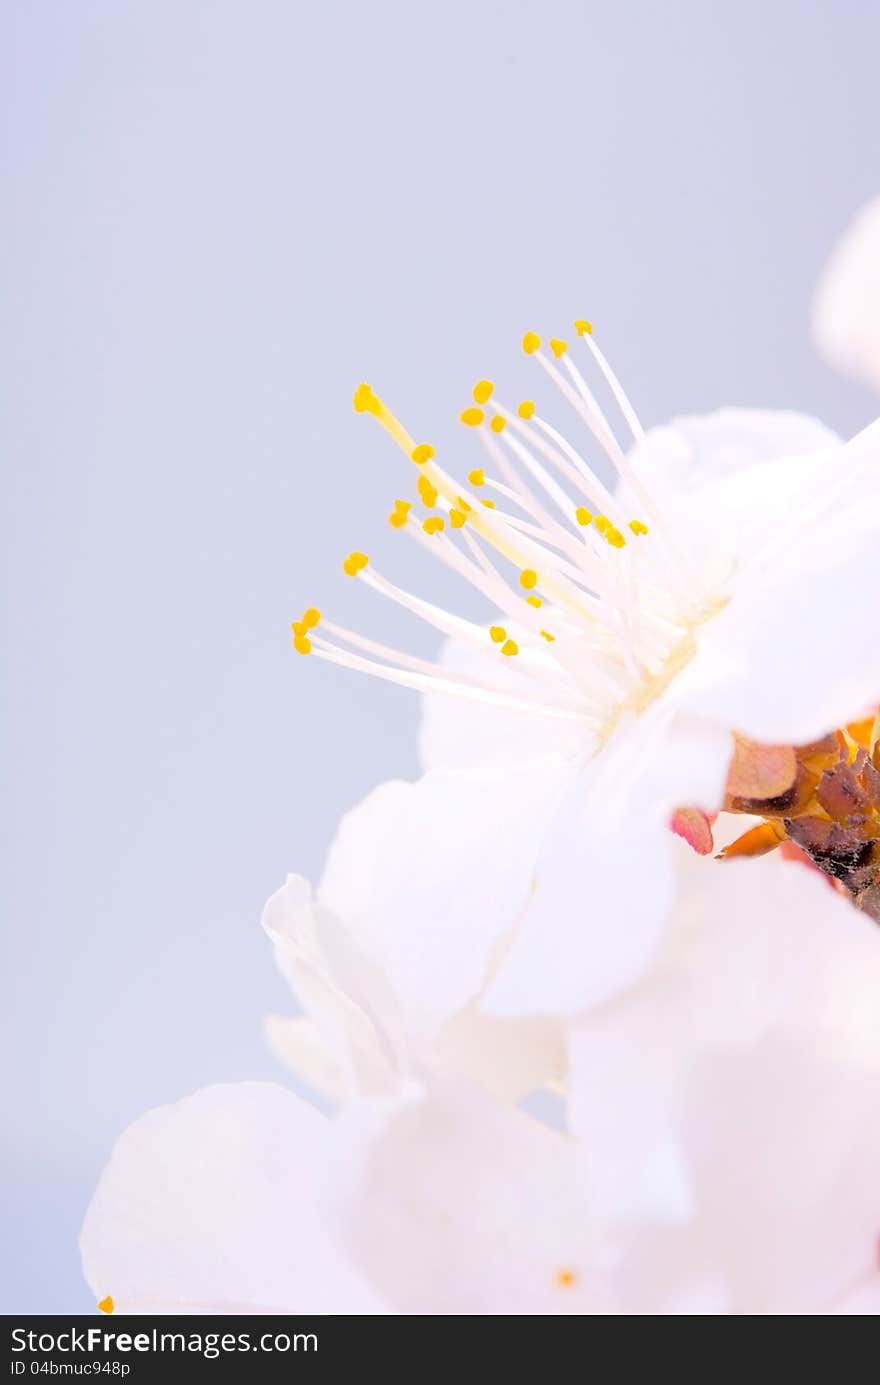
column 212, row 1206
column 694, row 827
column 846, row 308
column 452, row 1204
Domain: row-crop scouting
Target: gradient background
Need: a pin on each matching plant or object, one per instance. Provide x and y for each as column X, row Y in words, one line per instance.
column 218, row 217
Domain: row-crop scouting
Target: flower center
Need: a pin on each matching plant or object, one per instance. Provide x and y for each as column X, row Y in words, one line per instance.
column 598, row 602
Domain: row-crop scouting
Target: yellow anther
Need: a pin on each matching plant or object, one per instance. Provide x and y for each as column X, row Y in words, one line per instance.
column 472, row 418
column 490, row 504
column 427, row 492
column 311, row 617
column 526, row 408
column 497, row 424
column 457, row 518
column 365, row 401
column 463, row 505
column 583, row 328
column 483, row 391
column 638, row 527
column 602, row 524
column 528, row 578
column 302, row 645
column 423, row 453
column 614, row 537
column 106, row 1305
column 535, row 601
column 583, row 515
column 558, row 347
column 548, row 636
column 530, row 343
column 497, row 634
column 510, row 647
column 398, row 517
column 566, row 1279
column 354, row 563
column 477, row 477
column 298, row 627
column 433, row 525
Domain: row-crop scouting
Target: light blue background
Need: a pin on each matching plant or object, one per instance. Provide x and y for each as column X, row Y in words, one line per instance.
column 218, row 218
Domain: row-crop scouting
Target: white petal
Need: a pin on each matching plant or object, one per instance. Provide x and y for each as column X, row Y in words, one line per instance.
column 457, row 1205
column 696, row 451
column 456, row 734
column 429, row 878
column 509, row 1057
column 605, row 879
column 211, row 1206
column 792, row 658
column 353, row 1008
column 846, row 308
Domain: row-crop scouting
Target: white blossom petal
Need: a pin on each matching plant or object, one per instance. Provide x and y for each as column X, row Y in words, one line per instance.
column 212, row 1206
column 457, row 1205
column 846, row 308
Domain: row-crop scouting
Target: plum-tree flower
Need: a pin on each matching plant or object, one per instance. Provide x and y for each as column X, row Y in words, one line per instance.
column 715, row 589
column 720, row 1154
column 846, row 307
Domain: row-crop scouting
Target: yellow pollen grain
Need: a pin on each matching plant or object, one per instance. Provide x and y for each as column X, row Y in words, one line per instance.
column 299, row 627
column 311, row 617
column 565, row 1279
column 482, row 391
column 463, row 505
column 422, row 453
column 528, row 578
column 354, row 563
column 497, row 634
column 510, row 647
column 530, row 343
column 558, row 347
column 302, row 645
column 535, row 601
column 457, row 518
column 526, row 409
column 472, row 418
column 477, row 477
column 547, row 636
column 583, row 328
column 490, row 504
column 427, row 491
column 497, row 424
column 433, row 525
column 638, row 527
column 583, row 515
column 106, row 1305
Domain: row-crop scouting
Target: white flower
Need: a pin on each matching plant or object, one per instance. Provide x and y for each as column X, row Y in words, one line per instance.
column 846, row 308
column 724, row 1137
column 719, row 590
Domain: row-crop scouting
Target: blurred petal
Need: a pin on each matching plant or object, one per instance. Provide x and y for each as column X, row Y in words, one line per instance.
column 846, row 308
column 211, row 1206
column 430, row 877
column 456, row 1205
